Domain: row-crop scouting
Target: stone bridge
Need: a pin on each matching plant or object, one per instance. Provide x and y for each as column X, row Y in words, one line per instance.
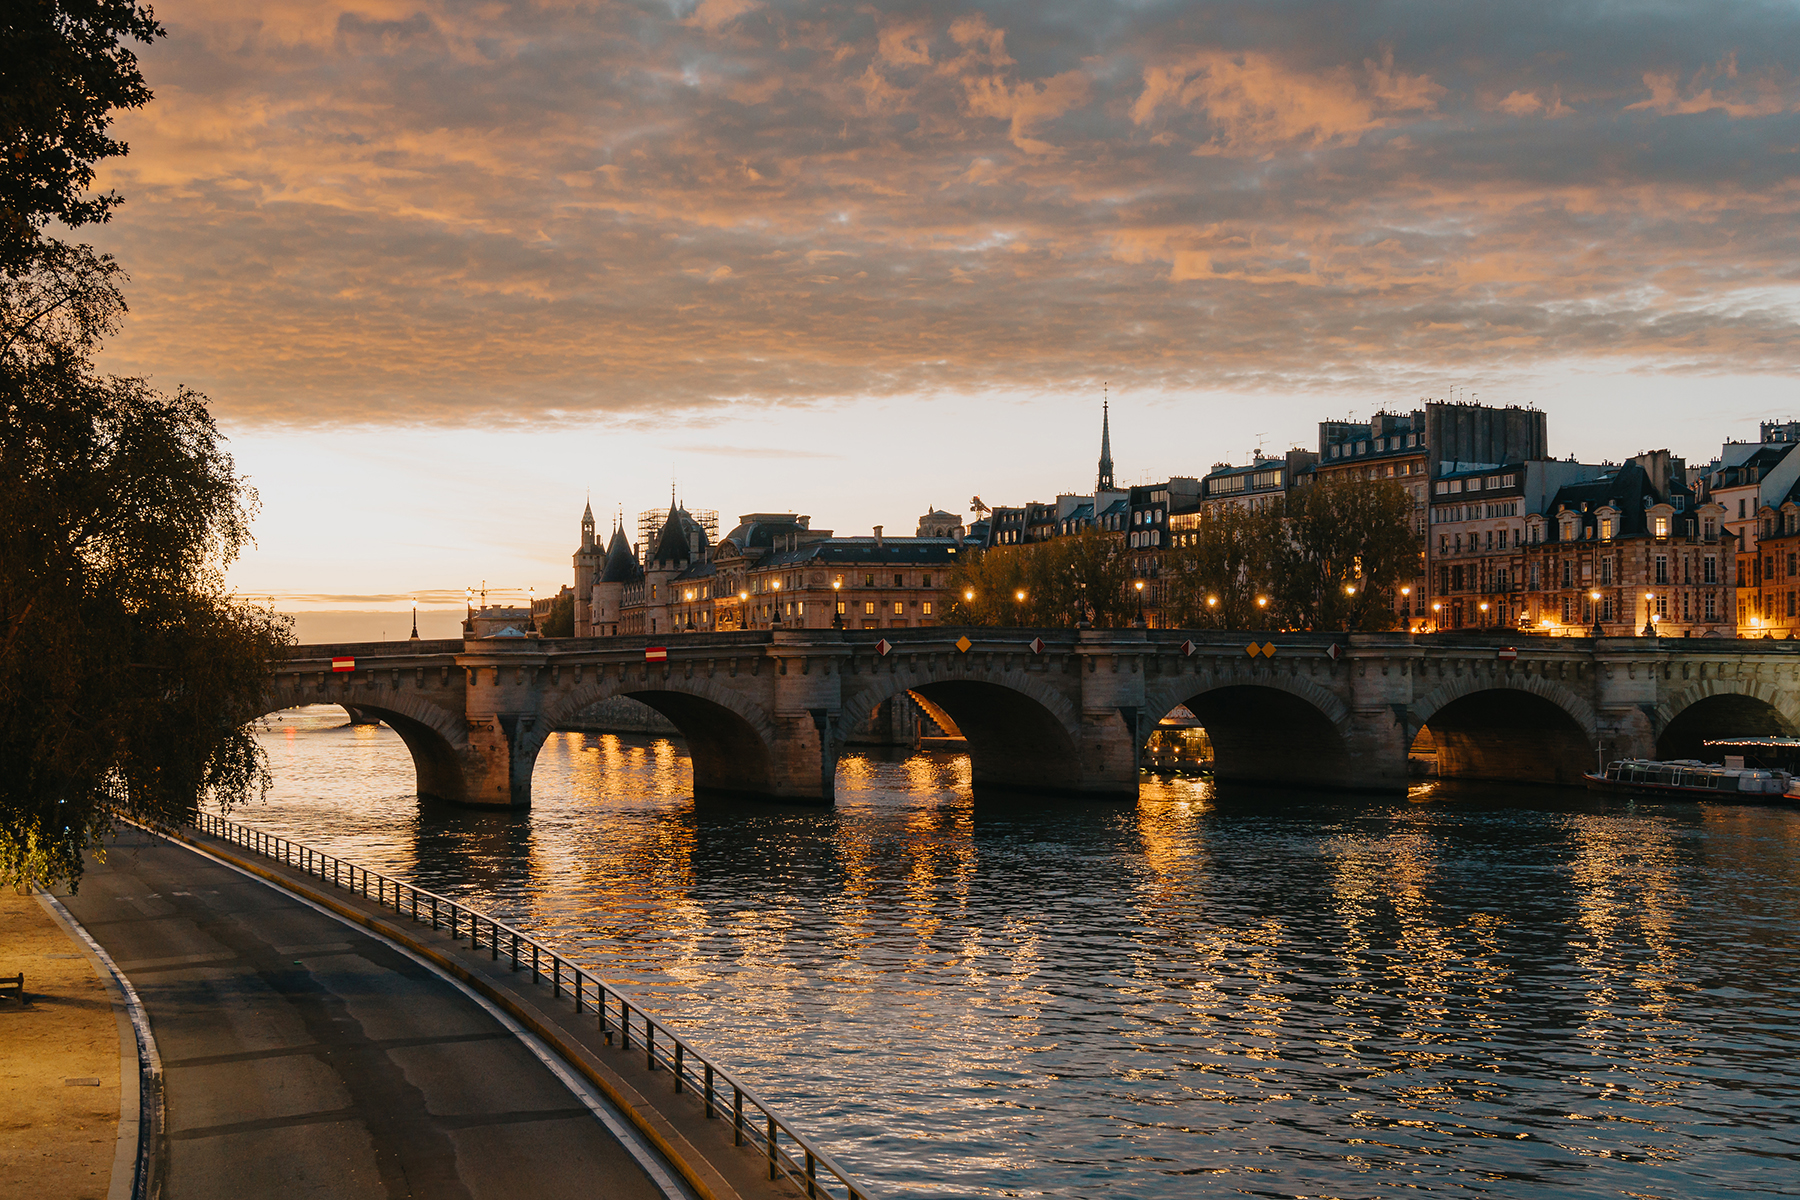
column 1066, row 711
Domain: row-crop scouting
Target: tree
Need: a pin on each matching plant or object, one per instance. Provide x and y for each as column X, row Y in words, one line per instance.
column 1045, row 585
column 1349, row 544
column 127, row 673
column 560, row 621
column 65, row 74
column 1222, row 575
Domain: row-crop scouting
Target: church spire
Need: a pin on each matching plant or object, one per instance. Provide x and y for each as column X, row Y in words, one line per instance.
column 1105, row 481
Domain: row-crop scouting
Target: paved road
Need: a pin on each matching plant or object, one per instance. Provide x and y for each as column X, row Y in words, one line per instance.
column 304, row 1058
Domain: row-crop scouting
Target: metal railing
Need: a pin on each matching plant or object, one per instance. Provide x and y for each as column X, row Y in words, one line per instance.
column 753, row 1122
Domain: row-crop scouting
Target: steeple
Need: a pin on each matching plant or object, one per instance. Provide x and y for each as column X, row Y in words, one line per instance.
column 1105, row 481
column 587, row 526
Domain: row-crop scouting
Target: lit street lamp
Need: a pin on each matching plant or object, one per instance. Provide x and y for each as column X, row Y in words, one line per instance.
column 1649, row 615
column 837, row 606
column 1598, row 631
column 1139, row 622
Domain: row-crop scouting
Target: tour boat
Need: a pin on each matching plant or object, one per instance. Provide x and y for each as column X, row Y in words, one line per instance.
column 1693, row 778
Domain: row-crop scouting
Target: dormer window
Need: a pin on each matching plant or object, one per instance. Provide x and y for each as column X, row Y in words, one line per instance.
column 1660, row 526
column 1606, row 529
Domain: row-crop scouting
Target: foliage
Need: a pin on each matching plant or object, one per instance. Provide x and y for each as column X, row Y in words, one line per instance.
column 65, row 73
column 1222, row 574
column 1349, row 545
column 126, row 672
column 560, row 622
column 1044, row 585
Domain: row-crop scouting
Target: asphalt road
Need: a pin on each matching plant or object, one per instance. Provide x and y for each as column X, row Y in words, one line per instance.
column 304, row 1058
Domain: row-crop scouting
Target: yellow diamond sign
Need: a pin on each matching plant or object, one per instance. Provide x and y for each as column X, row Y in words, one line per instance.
column 1268, row 649
column 1253, row 649
column 963, row 643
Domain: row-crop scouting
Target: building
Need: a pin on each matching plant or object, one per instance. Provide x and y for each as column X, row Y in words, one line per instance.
column 1626, row 550
column 771, row 571
column 1752, row 477
column 1255, row 486
column 1478, row 538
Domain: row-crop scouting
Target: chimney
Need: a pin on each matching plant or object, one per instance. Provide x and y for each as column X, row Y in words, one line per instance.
column 878, row 537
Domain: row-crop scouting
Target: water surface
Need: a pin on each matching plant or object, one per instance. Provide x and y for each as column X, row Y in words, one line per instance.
column 1493, row 992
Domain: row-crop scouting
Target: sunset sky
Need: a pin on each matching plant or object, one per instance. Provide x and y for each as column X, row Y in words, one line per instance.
column 446, row 268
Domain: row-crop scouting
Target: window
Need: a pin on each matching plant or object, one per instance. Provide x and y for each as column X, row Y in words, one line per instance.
column 840, row 607
column 1709, row 572
column 1712, row 611
column 1662, row 604
column 1662, row 527
column 899, row 607
column 1443, row 488
column 1567, row 576
column 899, row 580
column 1565, row 610
column 1791, row 565
column 869, row 581
column 868, row 608
column 1662, row 568
column 1606, row 609
column 926, row 582
column 1606, row 529
column 1606, row 569
column 928, row 608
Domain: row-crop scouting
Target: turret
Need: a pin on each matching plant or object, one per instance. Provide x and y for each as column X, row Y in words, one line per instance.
column 587, row 567
column 1104, row 483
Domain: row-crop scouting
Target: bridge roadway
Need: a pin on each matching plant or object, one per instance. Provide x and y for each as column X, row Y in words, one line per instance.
column 305, row 1058
column 1066, row 711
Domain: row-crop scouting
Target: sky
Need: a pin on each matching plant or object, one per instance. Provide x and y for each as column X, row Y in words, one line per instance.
column 446, row 270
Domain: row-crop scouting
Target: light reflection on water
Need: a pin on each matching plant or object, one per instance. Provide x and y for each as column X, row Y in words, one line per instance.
column 1492, row 993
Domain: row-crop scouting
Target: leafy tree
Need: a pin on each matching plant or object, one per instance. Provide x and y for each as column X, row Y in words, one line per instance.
column 1349, row 545
column 65, row 72
column 127, row 673
column 1222, row 575
column 560, row 622
column 1043, row 585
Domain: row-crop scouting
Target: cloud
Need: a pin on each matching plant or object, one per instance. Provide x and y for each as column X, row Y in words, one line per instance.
column 419, row 211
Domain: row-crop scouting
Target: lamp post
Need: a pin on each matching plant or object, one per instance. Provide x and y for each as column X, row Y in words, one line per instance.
column 1598, row 631
column 743, row 610
column 1649, row 615
column 1406, row 603
column 1436, row 608
column 415, row 632
column 1484, row 612
column 837, row 606
column 1139, row 622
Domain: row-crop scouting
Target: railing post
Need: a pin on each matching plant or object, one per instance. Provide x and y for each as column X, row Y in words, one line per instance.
column 577, row 989
column 709, row 1092
column 811, row 1174
column 677, row 1066
column 624, row 1024
column 494, row 939
column 534, row 962
column 771, row 1120
column 737, row 1115
column 515, row 950
column 649, row 1044
column 556, row 977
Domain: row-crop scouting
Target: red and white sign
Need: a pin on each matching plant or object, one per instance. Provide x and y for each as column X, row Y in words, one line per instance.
column 343, row 664
column 1332, row 651
column 1037, row 645
column 1188, row 648
column 1509, row 653
column 883, row 647
column 656, row 654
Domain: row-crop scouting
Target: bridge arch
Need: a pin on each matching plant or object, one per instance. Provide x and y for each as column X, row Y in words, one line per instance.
column 1022, row 734
column 1507, row 726
column 1721, row 708
column 731, row 740
column 1266, row 726
column 435, row 737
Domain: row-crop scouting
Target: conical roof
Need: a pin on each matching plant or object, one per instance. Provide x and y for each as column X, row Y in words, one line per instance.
column 671, row 542
column 621, row 564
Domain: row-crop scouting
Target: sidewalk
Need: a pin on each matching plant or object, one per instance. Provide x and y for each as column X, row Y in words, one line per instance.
column 58, row 1133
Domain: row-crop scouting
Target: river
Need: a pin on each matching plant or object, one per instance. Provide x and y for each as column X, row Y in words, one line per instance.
column 1472, row 991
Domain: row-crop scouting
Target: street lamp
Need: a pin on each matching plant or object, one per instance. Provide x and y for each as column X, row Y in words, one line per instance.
column 1139, row 623
column 1649, row 615
column 1484, row 609
column 837, row 606
column 415, row 632
column 1598, row 631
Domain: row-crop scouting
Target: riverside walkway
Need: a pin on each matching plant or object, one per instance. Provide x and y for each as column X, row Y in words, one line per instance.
column 304, row 1056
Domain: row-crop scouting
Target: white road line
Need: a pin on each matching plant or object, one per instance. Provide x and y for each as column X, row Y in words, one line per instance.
column 140, row 1109
column 646, row 1156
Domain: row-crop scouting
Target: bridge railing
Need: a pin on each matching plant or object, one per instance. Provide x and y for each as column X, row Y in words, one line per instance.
column 786, row 1150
